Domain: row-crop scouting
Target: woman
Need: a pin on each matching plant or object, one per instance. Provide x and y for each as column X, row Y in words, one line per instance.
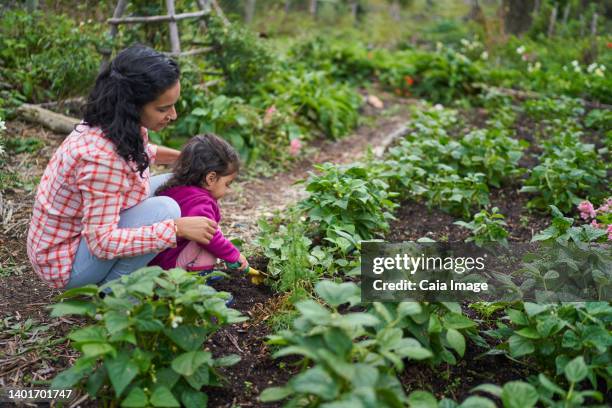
column 94, row 218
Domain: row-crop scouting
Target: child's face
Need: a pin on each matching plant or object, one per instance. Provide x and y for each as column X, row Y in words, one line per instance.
column 219, row 186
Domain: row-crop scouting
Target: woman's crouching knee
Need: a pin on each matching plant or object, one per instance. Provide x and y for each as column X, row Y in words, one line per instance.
column 166, row 207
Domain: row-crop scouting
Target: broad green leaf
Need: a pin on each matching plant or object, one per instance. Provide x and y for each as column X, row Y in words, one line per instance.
column 517, row 394
column 409, row 308
column 121, row 371
column 315, row 381
column 93, row 334
column 576, row 370
column 457, row 321
column 313, row 311
column 187, row 337
column 194, row 399
column 162, row 397
column 227, row 361
column 187, row 363
column 275, row 394
column 533, row 309
column 456, row 341
column 477, row 402
column 71, row 307
column 520, row 346
column 97, row 349
column 422, row 399
column 135, row 399
column 116, row 321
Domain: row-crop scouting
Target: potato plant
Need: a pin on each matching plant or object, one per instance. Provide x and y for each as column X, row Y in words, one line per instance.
column 144, row 346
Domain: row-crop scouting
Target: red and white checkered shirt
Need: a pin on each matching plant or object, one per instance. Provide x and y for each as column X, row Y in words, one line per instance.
column 82, row 191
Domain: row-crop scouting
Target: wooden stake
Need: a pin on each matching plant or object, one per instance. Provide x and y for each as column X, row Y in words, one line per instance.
column 553, row 20
column 174, row 36
column 249, row 11
column 157, row 19
column 106, row 53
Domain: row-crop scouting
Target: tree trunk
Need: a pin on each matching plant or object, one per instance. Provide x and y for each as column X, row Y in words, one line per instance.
column 517, row 15
column 287, row 6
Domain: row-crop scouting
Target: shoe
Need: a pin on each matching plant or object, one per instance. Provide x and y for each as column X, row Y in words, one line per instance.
column 204, row 271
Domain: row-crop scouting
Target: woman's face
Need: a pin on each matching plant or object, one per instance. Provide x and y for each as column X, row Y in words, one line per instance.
column 157, row 114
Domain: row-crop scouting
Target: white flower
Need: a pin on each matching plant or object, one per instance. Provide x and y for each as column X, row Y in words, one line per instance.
column 602, row 67
column 577, row 69
column 98, row 316
column 534, row 67
column 484, row 55
column 520, row 49
column 2, row 125
column 1, row 150
column 575, row 63
column 439, row 107
column 591, row 67
column 464, row 42
column 599, row 72
column 176, row 320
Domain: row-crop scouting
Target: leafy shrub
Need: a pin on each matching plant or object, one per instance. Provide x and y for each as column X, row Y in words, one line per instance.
column 548, row 108
column 345, row 199
column 568, row 170
column 327, row 106
column 348, row 362
column 287, row 249
column 516, row 394
column 34, row 49
column 243, row 58
column 458, row 195
column 343, row 59
column 440, row 328
column 445, row 76
column 599, row 119
column 486, row 227
column 557, row 334
column 146, row 343
column 570, row 264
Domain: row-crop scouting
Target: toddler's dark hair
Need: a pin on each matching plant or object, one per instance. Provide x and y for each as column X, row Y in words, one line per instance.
column 202, row 155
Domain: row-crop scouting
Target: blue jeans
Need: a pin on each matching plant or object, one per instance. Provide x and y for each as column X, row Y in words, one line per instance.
column 88, row 269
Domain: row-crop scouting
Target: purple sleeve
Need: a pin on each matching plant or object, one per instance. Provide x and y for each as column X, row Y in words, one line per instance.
column 219, row 246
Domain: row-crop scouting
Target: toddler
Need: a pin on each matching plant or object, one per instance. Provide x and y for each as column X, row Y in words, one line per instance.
column 202, row 175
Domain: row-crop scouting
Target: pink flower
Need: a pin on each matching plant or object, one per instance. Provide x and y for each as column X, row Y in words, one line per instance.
column 595, row 224
column 269, row 114
column 609, row 230
column 294, row 147
column 586, row 210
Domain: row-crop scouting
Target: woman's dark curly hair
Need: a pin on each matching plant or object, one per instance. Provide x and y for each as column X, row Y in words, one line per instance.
column 202, row 155
column 137, row 76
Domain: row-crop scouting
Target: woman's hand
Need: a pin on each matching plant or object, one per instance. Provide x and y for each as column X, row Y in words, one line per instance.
column 198, row 229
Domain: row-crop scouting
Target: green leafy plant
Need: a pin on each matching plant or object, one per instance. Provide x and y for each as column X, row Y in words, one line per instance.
column 33, row 49
column 568, row 170
column 557, row 334
column 242, row 57
column 344, row 359
column 486, row 227
column 458, row 195
column 145, row 346
column 327, row 106
column 346, row 200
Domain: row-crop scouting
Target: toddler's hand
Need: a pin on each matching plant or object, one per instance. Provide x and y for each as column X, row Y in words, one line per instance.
column 244, row 264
